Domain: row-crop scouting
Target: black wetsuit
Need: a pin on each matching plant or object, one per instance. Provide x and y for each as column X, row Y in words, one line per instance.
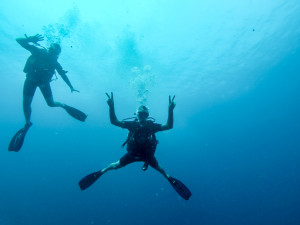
column 40, row 68
column 141, row 143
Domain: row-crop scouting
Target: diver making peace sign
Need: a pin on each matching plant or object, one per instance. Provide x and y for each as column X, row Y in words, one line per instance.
column 141, row 145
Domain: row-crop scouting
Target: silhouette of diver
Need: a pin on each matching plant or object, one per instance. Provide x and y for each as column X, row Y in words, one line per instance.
column 40, row 68
column 141, row 144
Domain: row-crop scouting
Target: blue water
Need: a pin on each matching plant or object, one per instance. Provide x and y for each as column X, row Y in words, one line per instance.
column 234, row 68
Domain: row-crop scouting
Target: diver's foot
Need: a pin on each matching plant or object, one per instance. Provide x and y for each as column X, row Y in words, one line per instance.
column 145, row 166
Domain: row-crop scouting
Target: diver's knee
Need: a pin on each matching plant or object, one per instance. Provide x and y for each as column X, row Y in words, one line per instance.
column 50, row 102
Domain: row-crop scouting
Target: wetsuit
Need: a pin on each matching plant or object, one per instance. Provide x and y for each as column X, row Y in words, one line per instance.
column 39, row 69
column 141, row 143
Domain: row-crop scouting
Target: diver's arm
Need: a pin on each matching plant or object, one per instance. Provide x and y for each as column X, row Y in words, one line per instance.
column 66, row 79
column 24, row 42
column 63, row 74
column 169, row 124
column 112, row 114
column 113, row 117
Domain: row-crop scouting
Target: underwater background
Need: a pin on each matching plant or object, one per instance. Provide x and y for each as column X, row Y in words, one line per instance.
column 234, row 68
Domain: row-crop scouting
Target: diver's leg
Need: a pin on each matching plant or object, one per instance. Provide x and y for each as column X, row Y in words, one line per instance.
column 47, row 93
column 125, row 160
column 112, row 166
column 162, row 171
column 52, row 103
column 28, row 93
column 27, row 100
column 88, row 180
column 154, row 164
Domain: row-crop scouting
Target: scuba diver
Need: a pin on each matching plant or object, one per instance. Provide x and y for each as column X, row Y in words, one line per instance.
column 141, row 144
column 40, row 68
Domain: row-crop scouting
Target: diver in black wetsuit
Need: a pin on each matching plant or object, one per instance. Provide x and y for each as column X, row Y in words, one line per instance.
column 141, row 144
column 40, row 68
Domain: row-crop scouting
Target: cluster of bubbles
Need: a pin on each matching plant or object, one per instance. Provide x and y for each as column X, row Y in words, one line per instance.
column 141, row 78
column 55, row 33
column 142, row 81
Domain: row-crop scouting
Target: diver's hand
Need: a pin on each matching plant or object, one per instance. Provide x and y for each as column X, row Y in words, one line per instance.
column 171, row 103
column 74, row 90
column 35, row 39
column 110, row 100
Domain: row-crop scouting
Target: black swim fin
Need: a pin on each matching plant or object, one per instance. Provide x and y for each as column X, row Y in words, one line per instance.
column 88, row 180
column 77, row 114
column 17, row 141
column 180, row 188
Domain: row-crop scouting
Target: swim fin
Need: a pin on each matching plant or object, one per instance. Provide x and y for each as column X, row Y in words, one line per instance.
column 88, row 180
column 17, row 141
column 180, row 188
column 77, row 114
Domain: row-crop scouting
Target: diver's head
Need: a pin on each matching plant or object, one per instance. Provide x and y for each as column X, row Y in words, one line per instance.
column 54, row 49
column 142, row 113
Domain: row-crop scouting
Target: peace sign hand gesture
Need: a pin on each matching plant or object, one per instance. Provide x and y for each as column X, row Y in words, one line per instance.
column 172, row 104
column 110, row 100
